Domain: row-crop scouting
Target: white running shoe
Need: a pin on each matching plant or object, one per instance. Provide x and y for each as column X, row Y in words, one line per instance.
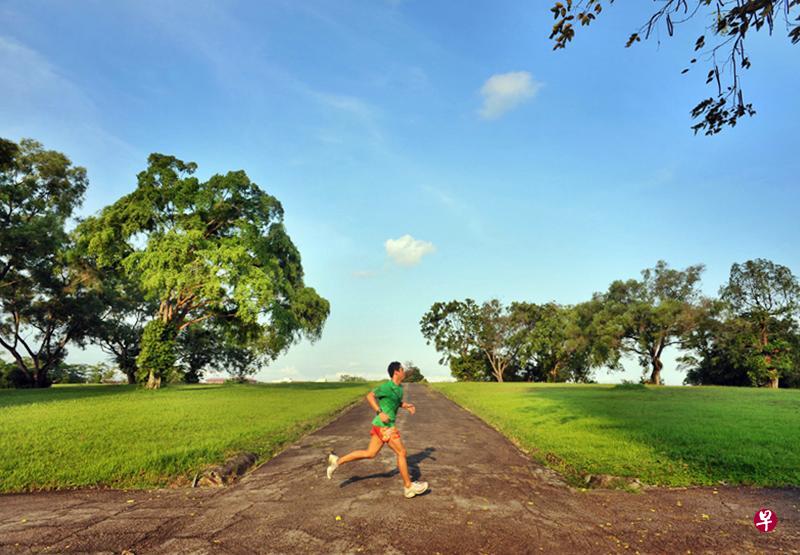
column 333, row 464
column 416, row 488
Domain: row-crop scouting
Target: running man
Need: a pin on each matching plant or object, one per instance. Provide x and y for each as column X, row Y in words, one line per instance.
column 385, row 400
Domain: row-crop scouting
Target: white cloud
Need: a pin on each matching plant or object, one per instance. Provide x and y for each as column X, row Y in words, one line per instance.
column 408, row 251
column 505, row 91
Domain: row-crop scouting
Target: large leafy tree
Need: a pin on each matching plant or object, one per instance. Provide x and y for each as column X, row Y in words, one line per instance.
column 413, row 373
column 731, row 22
column 552, row 346
column 652, row 313
column 717, row 348
column 470, row 366
column 44, row 302
column 212, row 250
column 767, row 296
column 460, row 329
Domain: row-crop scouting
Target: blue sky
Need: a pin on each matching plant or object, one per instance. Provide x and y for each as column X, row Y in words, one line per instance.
column 516, row 172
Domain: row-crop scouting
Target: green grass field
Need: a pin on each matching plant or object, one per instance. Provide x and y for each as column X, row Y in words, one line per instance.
column 662, row 435
column 128, row 437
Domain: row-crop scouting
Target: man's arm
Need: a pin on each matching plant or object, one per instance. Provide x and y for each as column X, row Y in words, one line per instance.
column 409, row 407
column 373, row 402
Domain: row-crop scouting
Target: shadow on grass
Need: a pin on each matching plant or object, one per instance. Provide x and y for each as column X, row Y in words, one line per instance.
column 710, row 435
column 413, row 468
column 17, row 397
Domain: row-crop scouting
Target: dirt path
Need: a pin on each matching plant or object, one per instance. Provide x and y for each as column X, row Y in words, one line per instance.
column 486, row 497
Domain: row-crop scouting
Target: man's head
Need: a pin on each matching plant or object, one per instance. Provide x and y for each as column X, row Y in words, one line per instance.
column 395, row 368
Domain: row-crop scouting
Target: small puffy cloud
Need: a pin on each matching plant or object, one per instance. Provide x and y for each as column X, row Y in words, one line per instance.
column 407, row 251
column 505, row 91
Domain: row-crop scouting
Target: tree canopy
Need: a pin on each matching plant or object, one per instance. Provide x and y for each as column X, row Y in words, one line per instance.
column 551, row 346
column 460, row 328
column 749, row 335
column 766, row 298
column 653, row 313
column 205, row 250
column 413, row 373
column 731, row 23
column 521, row 341
column 44, row 302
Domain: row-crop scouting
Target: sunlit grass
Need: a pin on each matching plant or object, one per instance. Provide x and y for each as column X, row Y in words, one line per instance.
column 662, row 435
column 129, row 437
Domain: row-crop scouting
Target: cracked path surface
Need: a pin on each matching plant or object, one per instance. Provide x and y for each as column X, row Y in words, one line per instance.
column 485, row 497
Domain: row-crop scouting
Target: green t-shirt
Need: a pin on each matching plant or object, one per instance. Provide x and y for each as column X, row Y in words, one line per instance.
column 389, row 396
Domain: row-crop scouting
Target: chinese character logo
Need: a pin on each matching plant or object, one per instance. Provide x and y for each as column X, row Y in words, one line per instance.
column 765, row 520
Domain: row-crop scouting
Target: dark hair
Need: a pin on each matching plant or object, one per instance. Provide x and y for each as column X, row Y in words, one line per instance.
column 394, row 367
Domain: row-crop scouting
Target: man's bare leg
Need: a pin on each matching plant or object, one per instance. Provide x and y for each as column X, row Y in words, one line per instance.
column 375, row 445
column 402, row 465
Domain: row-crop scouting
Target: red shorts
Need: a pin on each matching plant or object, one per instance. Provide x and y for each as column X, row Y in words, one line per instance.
column 385, row 434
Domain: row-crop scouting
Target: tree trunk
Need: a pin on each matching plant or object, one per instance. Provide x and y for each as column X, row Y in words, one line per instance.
column 554, row 372
column 773, row 379
column 153, row 381
column 127, row 367
column 655, row 375
column 130, row 372
column 40, row 378
column 497, row 365
column 771, row 371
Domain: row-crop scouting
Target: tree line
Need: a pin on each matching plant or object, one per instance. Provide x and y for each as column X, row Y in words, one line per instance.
column 747, row 335
column 179, row 276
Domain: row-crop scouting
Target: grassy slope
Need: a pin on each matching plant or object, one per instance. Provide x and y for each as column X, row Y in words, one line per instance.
column 662, row 435
column 123, row 436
